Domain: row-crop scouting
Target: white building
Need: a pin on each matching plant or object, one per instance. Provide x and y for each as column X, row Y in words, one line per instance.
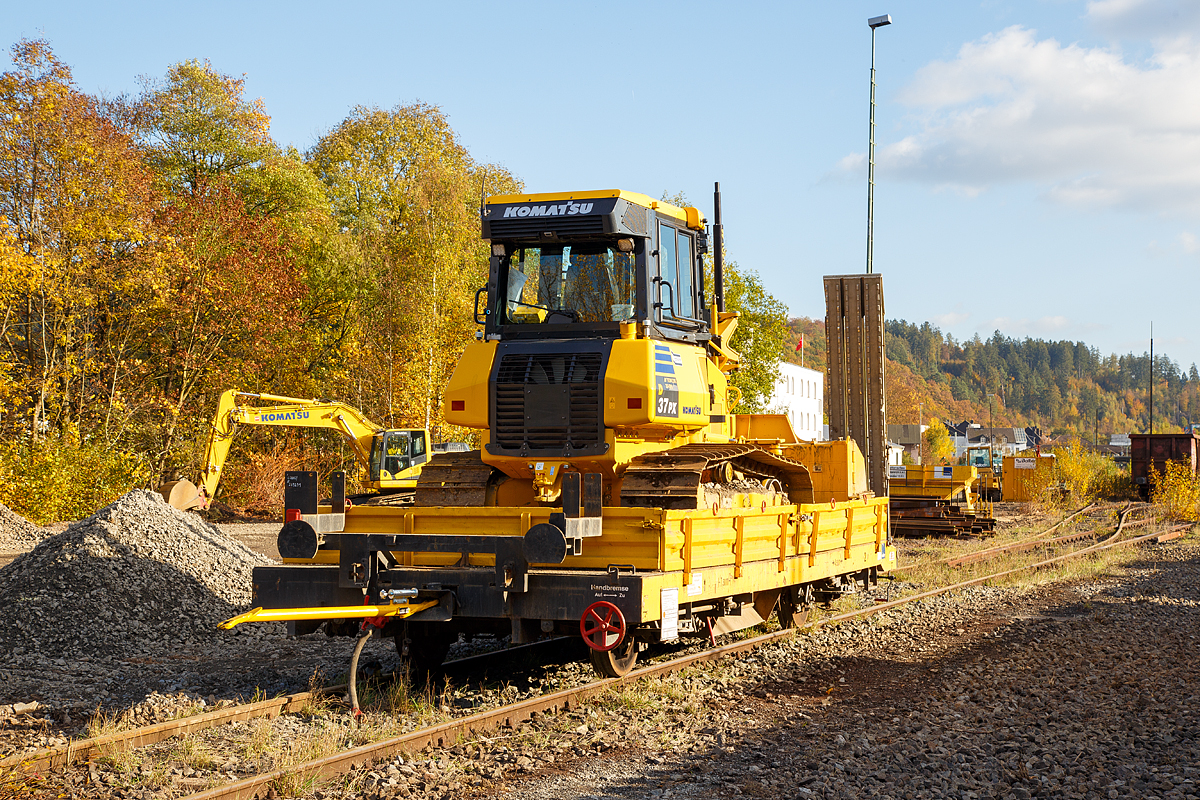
column 800, row 393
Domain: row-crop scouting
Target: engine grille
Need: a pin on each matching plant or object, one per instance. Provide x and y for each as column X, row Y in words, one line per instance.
column 524, row 227
column 549, row 403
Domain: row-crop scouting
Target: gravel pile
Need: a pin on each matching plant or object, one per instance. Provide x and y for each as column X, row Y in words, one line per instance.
column 137, row 571
column 16, row 532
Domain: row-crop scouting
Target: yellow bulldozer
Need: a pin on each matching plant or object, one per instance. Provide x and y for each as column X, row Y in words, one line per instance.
column 390, row 460
column 616, row 496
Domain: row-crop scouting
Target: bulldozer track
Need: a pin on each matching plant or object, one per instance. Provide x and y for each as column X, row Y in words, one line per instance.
column 672, row 478
column 454, row 479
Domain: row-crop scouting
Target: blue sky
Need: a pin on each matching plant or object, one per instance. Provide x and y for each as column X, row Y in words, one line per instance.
column 1038, row 162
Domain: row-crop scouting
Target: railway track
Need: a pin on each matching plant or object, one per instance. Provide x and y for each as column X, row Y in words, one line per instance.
column 448, row 733
column 81, row 751
column 1042, row 538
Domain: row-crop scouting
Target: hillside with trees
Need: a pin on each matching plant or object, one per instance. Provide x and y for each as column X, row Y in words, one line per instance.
column 1066, row 388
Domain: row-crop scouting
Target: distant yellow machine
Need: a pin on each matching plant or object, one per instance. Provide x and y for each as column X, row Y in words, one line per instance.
column 617, row 496
column 390, row 460
column 930, row 499
column 990, row 464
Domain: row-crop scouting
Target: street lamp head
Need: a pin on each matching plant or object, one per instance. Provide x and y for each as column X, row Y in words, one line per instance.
column 879, row 22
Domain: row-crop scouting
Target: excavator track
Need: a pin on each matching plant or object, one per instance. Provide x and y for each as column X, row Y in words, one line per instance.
column 672, row 479
column 454, row 479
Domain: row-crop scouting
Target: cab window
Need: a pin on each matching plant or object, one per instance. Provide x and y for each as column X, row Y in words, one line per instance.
column 585, row 282
column 676, row 266
column 666, row 267
column 685, row 263
column 395, row 453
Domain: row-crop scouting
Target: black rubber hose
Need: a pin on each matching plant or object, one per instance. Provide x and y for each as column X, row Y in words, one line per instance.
column 355, row 711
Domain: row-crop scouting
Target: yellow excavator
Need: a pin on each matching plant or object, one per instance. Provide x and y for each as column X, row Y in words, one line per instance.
column 391, row 460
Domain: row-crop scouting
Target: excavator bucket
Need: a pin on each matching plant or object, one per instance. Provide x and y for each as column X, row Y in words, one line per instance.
column 183, row 494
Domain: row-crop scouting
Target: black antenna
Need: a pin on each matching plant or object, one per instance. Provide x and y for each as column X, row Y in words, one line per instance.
column 482, row 192
column 718, row 252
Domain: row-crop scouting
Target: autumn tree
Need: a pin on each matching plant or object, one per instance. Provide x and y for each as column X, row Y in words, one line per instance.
column 938, row 443
column 408, row 191
column 75, row 209
column 201, row 130
column 760, row 336
column 252, row 297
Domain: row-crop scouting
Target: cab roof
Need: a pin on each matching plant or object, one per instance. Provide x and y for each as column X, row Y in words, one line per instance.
column 689, row 215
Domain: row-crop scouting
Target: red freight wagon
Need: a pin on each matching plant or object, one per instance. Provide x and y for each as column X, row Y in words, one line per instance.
column 1156, row 449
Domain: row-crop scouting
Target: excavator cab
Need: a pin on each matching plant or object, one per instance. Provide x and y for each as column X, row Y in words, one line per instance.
column 395, row 452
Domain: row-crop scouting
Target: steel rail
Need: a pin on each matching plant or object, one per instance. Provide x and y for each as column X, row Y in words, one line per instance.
column 1031, row 544
column 1022, row 545
column 1040, row 534
column 75, row 752
column 448, row 733
column 62, row 756
column 1018, row 547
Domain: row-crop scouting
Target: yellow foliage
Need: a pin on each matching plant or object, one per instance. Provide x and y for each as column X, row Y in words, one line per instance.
column 1080, row 475
column 58, row 480
column 937, row 440
column 1177, row 490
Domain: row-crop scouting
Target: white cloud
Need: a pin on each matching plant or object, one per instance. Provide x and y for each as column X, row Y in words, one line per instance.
column 1088, row 126
column 1042, row 326
column 1148, row 18
column 950, row 320
column 854, row 162
column 1190, row 243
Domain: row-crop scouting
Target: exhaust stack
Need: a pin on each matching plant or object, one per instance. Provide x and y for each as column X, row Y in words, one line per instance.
column 718, row 252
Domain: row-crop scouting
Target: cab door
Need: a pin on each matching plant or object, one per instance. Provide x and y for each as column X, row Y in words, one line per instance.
column 677, row 293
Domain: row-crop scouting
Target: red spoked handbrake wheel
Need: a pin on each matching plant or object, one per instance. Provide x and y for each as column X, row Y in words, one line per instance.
column 602, row 626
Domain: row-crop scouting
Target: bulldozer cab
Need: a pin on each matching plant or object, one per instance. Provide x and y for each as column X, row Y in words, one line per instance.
column 572, row 265
column 394, row 452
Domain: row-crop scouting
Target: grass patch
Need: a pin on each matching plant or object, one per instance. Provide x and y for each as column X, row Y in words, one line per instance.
column 105, row 723
column 930, row 569
column 191, row 752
